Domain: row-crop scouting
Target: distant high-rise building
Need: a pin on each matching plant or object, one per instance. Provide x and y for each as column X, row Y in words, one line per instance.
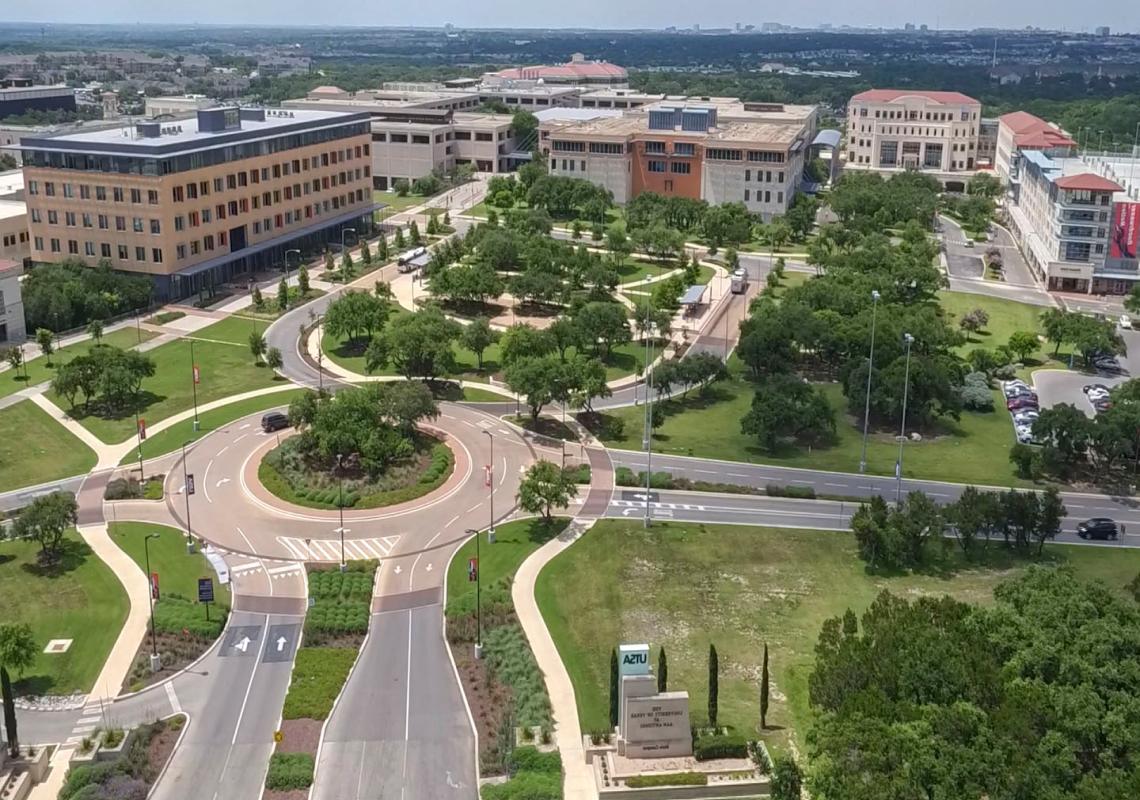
column 1103, row 30
column 923, row 27
column 909, row 26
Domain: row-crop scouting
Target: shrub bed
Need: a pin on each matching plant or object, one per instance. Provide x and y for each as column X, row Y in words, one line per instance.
column 318, row 675
column 536, row 776
column 176, row 614
column 712, row 746
column 289, row 771
column 676, row 779
column 129, row 776
column 283, row 474
column 624, row 476
column 511, row 661
column 130, row 488
column 342, row 604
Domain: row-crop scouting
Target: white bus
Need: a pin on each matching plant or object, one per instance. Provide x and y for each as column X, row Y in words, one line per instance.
column 739, row 281
column 404, row 262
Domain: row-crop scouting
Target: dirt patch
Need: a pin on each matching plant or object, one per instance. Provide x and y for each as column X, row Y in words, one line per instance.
column 178, row 651
column 295, row 794
column 490, row 703
column 300, row 736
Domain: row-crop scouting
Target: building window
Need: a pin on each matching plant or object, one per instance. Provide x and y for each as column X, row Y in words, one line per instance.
column 205, row 216
column 120, row 223
column 101, row 193
column 177, row 194
column 156, row 255
column 180, row 251
column 39, row 242
column 84, row 192
column 69, row 218
column 35, row 215
column 123, row 255
column 195, row 247
column 53, row 217
column 68, row 190
column 656, row 166
column 137, row 224
column 179, row 223
column 34, row 189
column 49, row 188
column 680, row 167
column 780, row 198
column 655, row 148
column 89, row 249
column 684, row 149
column 747, row 175
column 152, row 196
column 140, row 254
column 136, row 195
column 747, row 192
column 219, row 185
column 155, row 227
column 103, row 224
column 55, row 245
column 73, row 247
column 105, row 249
column 87, row 223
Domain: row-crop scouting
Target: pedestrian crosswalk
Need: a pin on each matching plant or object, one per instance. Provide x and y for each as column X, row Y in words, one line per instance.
column 329, row 549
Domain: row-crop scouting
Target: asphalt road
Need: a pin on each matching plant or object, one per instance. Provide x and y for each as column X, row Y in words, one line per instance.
column 399, row 729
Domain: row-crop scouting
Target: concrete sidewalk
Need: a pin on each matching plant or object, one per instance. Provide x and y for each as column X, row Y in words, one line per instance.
column 579, row 783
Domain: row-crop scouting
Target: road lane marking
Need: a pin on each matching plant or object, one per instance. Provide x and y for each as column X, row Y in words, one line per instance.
column 474, row 507
column 285, row 569
column 206, row 480
column 174, row 704
column 451, row 521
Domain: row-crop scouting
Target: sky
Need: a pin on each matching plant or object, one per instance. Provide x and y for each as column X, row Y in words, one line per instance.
column 1123, row 15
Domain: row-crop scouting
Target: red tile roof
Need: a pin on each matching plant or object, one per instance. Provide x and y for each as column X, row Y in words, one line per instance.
column 573, row 69
column 1088, row 182
column 887, row 95
column 1031, row 131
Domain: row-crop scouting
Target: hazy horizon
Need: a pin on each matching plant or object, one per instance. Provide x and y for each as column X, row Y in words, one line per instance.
column 600, row 14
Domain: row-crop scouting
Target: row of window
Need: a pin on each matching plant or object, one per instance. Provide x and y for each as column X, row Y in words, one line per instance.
column 929, row 116
column 104, row 250
column 240, row 180
column 118, row 194
column 73, row 219
column 440, row 138
column 139, row 165
column 11, row 241
column 767, row 196
column 676, row 167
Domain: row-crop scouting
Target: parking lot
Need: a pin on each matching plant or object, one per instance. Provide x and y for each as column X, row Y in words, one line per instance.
column 1066, row 386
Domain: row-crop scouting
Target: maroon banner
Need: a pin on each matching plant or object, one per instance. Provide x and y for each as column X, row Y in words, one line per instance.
column 1125, row 231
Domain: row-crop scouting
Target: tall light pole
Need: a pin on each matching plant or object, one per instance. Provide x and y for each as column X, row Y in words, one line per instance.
column 186, row 490
column 648, row 411
column 340, row 508
column 902, row 430
column 320, row 356
column 1132, row 160
column 870, row 368
column 194, row 382
column 342, row 233
column 155, row 662
column 1100, row 142
column 491, row 487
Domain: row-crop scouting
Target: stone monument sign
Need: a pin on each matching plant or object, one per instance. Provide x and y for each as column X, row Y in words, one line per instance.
column 651, row 724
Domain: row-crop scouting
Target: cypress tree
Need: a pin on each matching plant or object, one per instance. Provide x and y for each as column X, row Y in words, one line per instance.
column 714, row 687
column 662, row 671
column 764, row 691
column 614, row 688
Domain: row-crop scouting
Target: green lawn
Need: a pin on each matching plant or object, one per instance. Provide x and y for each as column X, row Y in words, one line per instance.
column 34, row 448
column 397, row 203
column 790, row 281
column 178, row 571
column 225, row 369
column 974, row 450
column 514, row 541
column 80, row 599
column 687, row 585
column 234, row 329
column 172, row 438
column 635, row 270
column 39, row 371
column 1006, row 317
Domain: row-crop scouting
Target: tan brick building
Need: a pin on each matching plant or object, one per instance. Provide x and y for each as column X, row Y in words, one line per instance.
column 201, row 201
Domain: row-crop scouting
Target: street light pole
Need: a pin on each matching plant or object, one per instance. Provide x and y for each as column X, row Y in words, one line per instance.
column 342, row 233
column 1132, row 160
column 194, row 383
column 870, row 368
column 902, row 430
column 320, row 356
column 138, row 432
column 478, row 597
column 287, row 252
column 155, row 663
column 186, row 491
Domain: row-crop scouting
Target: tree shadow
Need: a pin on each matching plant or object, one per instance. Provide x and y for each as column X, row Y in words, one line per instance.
column 944, row 559
column 541, row 531
column 146, row 399
column 33, row 685
column 72, row 554
column 5, row 558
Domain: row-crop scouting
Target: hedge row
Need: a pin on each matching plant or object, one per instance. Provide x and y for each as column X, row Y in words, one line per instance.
column 289, row 771
column 707, row 748
column 536, row 776
column 624, row 476
column 174, row 614
column 675, row 779
column 353, row 584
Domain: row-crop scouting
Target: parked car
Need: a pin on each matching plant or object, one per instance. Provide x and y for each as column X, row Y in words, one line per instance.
column 1025, row 436
column 1102, row 405
column 1026, row 417
column 274, row 421
column 1094, row 387
column 1126, row 321
column 1011, row 388
column 1022, row 404
column 1098, row 528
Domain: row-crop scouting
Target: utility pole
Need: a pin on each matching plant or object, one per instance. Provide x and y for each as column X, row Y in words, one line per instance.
column 648, row 330
column 491, row 487
column 902, row 430
column 870, row 369
column 340, row 508
column 187, row 488
column 155, row 661
column 478, row 598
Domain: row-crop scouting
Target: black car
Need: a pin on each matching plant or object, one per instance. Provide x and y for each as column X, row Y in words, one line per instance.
column 274, row 421
column 1098, row 528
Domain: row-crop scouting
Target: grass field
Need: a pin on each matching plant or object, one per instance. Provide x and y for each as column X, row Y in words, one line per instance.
column 39, row 371
column 225, row 369
column 34, row 448
column 974, row 450
column 1006, row 317
column 178, row 571
column 80, row 599
column 685, row 586
column 172, row 438
column 234, row 329
column 514, row 541
column 397, row 203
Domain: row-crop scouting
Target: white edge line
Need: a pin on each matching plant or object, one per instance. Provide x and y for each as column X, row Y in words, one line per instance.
column 451, row 658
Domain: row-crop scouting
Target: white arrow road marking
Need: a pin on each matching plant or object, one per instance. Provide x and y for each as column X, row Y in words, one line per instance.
column 243, row 427
column 221, row 482
column 243, row 644
column 281, row 643
column 428, row 568
column 451, row 784
column 181, row 489
column 399, row 569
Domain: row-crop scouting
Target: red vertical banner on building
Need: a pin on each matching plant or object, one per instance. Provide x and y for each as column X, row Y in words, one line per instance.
column 197, row 376
column 142, row 430
column 472, row 569
column 154, row 585
column 1125, row 238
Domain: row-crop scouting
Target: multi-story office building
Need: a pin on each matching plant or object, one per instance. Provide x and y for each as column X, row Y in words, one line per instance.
column 200, row 201
column 890, row 130
column 177, row 105
column 755, row 158
column 411, row 145
column 578, row 71
column 19, row 96
column 15, row 243
column 1020, row 131
column 11, row 305
column 1077, row 221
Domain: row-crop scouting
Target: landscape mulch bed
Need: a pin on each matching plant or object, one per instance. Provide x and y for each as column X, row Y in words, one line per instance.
column 295, row 794
column 161, row 747
column 490, row 701
column 177, row 651
column 300, row 736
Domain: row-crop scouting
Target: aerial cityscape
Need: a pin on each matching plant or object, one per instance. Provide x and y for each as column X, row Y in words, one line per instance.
column 450, row 407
